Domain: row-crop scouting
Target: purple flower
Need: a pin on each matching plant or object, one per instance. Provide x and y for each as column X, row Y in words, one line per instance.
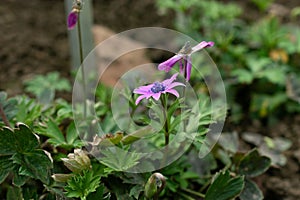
column 156, row 89
column 184, row 58
column 72, row 19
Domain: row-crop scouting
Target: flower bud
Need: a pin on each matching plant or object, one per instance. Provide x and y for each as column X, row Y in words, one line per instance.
column 77, row 161
column 61, row 177
column 155, row 185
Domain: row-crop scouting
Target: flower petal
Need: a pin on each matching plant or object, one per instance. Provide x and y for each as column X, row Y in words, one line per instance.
column 170, row 80
column 168, row 64
column 137, row 101
column 175, row 84
column 72, row 19
column 156, row 96
column 188, row 68
column 172, row 91
column 143, row 89
column 202, row 45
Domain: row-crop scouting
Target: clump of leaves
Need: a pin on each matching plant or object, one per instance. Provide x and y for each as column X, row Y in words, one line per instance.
column 44, row 86
column 21, row 156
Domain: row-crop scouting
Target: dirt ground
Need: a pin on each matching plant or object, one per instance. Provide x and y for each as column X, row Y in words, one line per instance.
column 34, row 41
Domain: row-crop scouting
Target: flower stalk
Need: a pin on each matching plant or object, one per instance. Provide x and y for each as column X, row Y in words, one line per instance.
column 73, row 19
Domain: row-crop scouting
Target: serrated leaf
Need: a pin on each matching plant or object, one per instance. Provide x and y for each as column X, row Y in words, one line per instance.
column 251, row 191
column 54, row 133
column 253, row 164
column 25, row 139
column 224, row 187
column 81, row 185
column 35, row 164
column 119, row 159
column 5, row 167
column 7, row 141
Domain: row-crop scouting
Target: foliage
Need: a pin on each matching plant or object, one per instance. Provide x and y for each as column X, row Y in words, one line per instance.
column 257, row 57
column 44, row 87
column 21, row 156
column 43, row 157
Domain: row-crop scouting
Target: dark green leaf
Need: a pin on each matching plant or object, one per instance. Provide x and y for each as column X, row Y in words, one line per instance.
column 98, row 194
column 7, row 142
column 14, row 193
column 26, row 141
column 5, row 167
column 224, row 187
column 252, row 164
column 251, row 191
column 19, row 180
column 35, row 164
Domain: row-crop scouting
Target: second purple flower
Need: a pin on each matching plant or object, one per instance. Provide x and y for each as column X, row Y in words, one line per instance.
column 184, row 58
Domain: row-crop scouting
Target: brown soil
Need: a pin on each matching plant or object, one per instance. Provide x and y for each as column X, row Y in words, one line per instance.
column 34, row 41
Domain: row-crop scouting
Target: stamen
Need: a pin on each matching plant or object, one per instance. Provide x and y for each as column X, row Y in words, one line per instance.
column 158, row 87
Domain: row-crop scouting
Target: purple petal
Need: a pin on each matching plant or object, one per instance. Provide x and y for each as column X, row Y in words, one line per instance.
column 72, row 19
column 188, row 68
column 172, row 85
column 174, row 92
column 168, row 64
column 181, row 66
column 170, row 80
column 143, row 89
column 156, row 96
column 202, row 45
column 137, row 101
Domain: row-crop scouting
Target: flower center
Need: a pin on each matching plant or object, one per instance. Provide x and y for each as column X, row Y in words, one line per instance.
column 158, row 87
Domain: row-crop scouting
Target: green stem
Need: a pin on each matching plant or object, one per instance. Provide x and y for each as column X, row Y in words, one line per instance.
column 193, row 192
column 166, row 125
column 82, row 67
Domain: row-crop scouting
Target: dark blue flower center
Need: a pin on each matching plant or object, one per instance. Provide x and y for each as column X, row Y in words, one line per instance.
column 158, row 87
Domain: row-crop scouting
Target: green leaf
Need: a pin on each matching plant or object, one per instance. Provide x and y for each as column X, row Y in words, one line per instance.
column 26, row 141
column 35, row 164
column 243, row 75
column 44, row 87
column 224, row 187
column 21, row 139
column 5, row 167
column 252, row 164
column 19, row 180
column 251, row 191
column 119, row 159
column 9, row 106
column 81, row 185
column 7, row 141
column 14, row 193
column 98, row 194
column 56, row 136
column 71, row 135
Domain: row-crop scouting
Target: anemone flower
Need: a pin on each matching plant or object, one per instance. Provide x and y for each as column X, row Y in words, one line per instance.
column 156, row 89
column 184, row 58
